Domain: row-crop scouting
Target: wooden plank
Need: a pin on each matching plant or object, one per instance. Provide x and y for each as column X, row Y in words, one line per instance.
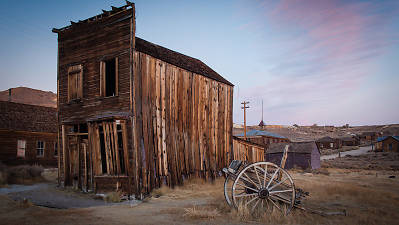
column 64, row 153
column 112, row 147
column 116, row 148
column 196, row 119
column 163, row 116
column 85, row 184
column 106, row 146
column 169, row 110
column 158, row 101
column 152, row 124
column 144, row 107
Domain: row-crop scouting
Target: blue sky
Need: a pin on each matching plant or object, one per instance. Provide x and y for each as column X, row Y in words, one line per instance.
column 325, row 62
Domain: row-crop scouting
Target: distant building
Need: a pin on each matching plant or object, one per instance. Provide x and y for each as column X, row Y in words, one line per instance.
column 28, row 134
column 300, row 154
column 328, row 143
column 349, row 141
column 263, row 137
column 368, row 137
column 387, row 144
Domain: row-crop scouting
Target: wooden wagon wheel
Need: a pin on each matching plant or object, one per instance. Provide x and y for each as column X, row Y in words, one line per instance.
column 263, row 185
column 228, row 184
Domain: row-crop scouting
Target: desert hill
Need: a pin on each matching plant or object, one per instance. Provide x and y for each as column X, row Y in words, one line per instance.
column 30, row 96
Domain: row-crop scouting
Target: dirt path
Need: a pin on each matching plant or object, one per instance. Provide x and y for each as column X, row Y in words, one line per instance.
column 48, row 195
column 360, row 151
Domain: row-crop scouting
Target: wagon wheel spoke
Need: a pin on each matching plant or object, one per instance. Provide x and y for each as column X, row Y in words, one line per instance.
column 256, row 203
column 257, row 175
column 245, row 195
column 282, row 191
column 275, row 204
column 264, row 178
column 243, row 185
column 271, row 188
column 251, row 180
column 274, row 175
column 246, row 204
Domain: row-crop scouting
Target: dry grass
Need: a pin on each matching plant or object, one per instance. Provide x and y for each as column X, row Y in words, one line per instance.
column 24, row 174
column 113, row 197
column 201, row 212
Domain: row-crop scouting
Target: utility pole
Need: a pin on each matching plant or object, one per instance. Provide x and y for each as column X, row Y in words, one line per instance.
column 245, row 118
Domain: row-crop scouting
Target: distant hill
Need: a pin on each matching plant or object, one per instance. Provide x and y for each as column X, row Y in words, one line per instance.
column 30, row 96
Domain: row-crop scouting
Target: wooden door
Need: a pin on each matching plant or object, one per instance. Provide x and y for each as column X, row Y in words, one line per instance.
column 74, row 160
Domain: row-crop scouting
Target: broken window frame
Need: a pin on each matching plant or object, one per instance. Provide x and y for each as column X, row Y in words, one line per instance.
column 103, row 77
column 104, row 157
column 75, row 85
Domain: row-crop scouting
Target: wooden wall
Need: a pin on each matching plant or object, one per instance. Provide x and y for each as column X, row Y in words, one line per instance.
column 8, row 148
column 182, row 124
column 87, row 45
column 245, row 151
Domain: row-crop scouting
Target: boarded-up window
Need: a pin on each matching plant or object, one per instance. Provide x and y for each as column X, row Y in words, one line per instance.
column 40, row 149
column 21, row 148
column 109, row 77
column 75, row 82
column 112, row 150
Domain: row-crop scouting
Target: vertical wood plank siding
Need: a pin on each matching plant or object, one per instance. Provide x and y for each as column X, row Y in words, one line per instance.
column 246, row 151
column 182, row 124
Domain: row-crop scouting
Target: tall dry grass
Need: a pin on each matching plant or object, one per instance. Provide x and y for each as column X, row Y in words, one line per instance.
column 330, row 191
column 23, row 174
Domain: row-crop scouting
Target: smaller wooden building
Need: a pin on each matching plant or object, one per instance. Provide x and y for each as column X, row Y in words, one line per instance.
column 369, row 137
column 328, row 143
column 300, row 154
column 28, row 134
column 264, row 138
column 350, row 141
column 387, row 144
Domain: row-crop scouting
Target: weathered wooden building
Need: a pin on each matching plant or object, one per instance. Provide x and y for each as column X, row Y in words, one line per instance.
column 350, row 141
column 28, row 134
column 369, row 137
column 134, row 114
column 328, row 143
column 264, row 138
column 387, row 144
column 300, row 154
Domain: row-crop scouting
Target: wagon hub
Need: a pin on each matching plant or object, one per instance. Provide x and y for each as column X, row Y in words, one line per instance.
column 263, row 193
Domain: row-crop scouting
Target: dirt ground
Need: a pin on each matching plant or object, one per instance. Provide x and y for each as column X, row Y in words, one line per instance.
column 367, row 199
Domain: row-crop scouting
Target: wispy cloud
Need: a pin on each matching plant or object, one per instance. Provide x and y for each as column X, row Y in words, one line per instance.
column 321, row 51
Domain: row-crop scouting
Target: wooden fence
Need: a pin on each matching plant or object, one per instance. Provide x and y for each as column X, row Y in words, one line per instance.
column 247, row 151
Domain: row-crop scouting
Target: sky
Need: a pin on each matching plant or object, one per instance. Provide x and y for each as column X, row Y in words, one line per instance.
column 326, row 62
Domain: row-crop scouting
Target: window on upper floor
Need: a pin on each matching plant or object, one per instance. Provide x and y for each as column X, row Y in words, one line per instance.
column 109, row 77
column 75, row 82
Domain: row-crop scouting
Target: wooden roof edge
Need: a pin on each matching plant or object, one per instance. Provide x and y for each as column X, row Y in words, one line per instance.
column 105, row 13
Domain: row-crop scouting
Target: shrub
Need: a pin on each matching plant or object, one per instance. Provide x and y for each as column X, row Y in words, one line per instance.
column 113, row 196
